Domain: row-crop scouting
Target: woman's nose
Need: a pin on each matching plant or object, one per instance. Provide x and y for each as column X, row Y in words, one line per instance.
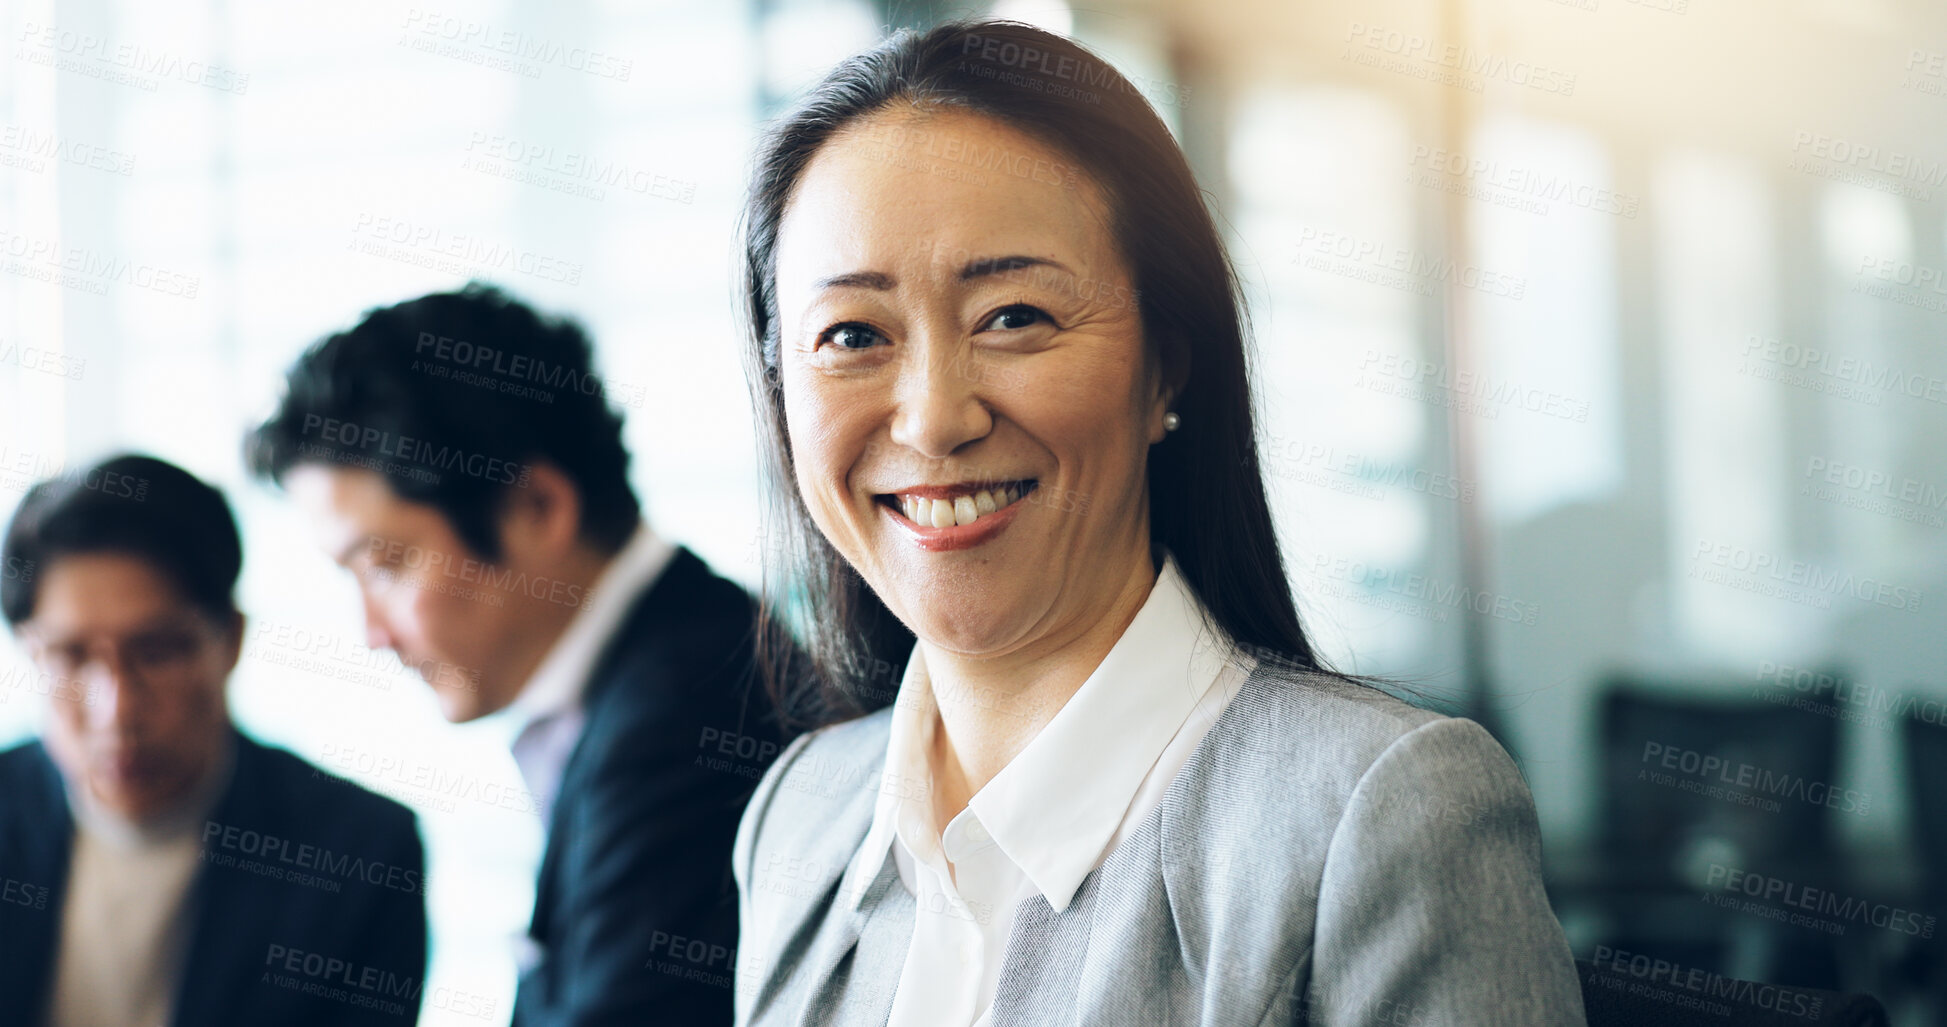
column 939, row 406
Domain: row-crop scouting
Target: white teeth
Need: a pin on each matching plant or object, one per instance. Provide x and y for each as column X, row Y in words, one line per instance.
column 947, row 513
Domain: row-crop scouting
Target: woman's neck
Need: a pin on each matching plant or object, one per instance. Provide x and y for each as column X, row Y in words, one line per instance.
column 991, row 707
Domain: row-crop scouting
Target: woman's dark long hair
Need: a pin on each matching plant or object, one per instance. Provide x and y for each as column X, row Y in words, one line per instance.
column 1207, row 503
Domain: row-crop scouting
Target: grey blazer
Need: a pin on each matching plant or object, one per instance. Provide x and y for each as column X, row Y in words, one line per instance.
column 1329, row 855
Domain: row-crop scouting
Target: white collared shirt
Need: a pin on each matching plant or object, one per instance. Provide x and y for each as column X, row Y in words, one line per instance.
column 548, row 709
column 1053, row 814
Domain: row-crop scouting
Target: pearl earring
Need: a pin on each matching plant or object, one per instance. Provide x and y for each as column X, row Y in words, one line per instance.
column 1171, row 422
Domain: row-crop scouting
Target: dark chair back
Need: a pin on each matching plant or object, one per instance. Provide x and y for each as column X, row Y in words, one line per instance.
column 1926, row 773
column 1925, row 741
column 1689, row 781
column 1701, row 786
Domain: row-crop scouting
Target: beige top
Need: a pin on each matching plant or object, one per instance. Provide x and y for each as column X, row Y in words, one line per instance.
column 125, row 915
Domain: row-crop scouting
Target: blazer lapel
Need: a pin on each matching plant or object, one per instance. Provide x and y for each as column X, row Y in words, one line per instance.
column 856, row 962
column 223, row 904
column 648, row 612
column 1129, row 899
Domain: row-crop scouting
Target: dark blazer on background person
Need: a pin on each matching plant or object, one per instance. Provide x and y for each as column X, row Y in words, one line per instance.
column 635, row 912
column 372, row 914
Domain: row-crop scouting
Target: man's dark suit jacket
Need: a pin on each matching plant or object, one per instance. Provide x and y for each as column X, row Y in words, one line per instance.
column 308, row 908
column 635, row 912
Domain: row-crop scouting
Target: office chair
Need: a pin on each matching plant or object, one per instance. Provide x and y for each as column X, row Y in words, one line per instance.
column 1696, row 788
column 1924, row 733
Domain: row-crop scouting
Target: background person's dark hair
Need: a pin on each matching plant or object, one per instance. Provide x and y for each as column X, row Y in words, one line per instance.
column 1206, row 490
column 135, row 505
column 450, row 397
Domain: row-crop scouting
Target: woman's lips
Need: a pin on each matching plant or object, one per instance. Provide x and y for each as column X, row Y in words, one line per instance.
column 942, row 518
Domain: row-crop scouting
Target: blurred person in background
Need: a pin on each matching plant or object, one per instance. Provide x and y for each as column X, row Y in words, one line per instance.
column 459, row 455
column 161, row 867
column 1002, row 378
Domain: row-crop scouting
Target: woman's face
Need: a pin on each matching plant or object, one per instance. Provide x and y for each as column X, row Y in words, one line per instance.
column 967, row 394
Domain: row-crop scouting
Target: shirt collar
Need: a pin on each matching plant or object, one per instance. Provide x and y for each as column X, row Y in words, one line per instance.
column 905, row 786
column 557, row 684
column 1056, row 806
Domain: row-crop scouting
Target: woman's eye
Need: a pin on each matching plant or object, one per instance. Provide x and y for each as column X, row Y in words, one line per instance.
column 1015, row 318
column 851, row 336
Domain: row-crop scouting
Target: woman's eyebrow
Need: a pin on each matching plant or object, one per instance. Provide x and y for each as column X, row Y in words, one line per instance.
column 981, row 267
column 878, row 281
column 986, row 266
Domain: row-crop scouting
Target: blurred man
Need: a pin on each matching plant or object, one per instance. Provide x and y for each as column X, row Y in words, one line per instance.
column 459, row 456
column 159, row 867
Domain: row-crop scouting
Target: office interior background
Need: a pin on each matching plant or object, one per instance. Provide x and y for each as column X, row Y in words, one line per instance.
column 1602, row 371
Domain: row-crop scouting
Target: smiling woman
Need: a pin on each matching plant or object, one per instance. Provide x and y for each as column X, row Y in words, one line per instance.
column 998, row 360
column 1059, row 268
column 895, row 370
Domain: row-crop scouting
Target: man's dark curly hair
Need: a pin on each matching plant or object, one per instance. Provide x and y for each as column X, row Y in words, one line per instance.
column 453, row 397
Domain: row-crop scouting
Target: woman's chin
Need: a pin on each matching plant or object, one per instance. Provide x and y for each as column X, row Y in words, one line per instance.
column 987, row 629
